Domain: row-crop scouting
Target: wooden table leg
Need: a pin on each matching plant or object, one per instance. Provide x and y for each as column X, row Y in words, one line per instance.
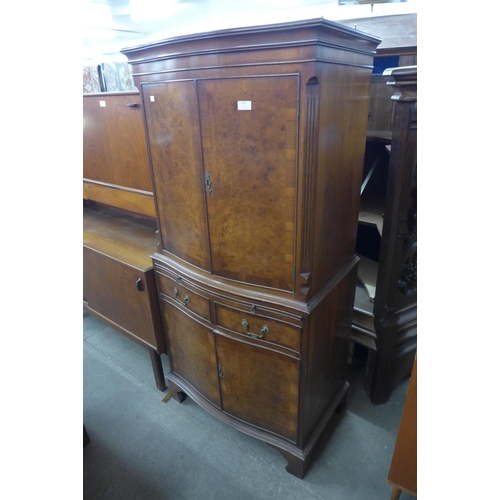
column 396, row 493
column 158, row 370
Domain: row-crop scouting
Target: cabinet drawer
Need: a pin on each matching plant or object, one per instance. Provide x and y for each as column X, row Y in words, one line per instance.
column 183, row 294
column 258, row 326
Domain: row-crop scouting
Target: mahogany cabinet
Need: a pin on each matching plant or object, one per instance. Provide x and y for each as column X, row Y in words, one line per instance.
column 256, row 139
column 385, row 311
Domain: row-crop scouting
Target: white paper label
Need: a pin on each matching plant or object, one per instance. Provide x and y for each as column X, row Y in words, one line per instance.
column 102, row 104
column 244, row 105
column 152, row 98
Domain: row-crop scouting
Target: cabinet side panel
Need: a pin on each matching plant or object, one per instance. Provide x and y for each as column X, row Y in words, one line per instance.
column 344, row 100
column 174, row 143
column 192, row 351
column 249, row 128
column 328, row 346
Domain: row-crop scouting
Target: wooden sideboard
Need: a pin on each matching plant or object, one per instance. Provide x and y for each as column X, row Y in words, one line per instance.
column 256, row 138
column 119, row 223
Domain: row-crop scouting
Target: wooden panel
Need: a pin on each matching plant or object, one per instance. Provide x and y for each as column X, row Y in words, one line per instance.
column 133, row 201
column 110, row 288
column 124, row 237
column 381, row 105
column 343, row 118
column 191, row 351
column 259, row 386
column 251, row 157
column 398, row 33
column 328, row 345
column 174, row 142
column 403, row 471
column 278, row 332
column 114, row 142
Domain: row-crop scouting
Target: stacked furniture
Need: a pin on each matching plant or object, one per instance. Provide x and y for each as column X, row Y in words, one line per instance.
column 256, row 139
column 119, row 222
column 385, row 312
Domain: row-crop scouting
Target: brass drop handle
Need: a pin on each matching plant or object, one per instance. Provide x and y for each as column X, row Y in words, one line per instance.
column 263, row 331
column 221, row 371
column 139, row 285
column 183, row 301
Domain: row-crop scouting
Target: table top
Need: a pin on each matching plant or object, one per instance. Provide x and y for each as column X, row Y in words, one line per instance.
column 125, row 237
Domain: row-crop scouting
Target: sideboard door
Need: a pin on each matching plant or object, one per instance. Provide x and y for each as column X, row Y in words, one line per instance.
column 174, row 143
column 249, row 141
column 259, row 386
column 192, row 352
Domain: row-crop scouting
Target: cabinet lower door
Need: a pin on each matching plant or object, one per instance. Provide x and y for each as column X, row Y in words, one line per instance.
column 192, row 352
column 113, row 289
column 259, row 386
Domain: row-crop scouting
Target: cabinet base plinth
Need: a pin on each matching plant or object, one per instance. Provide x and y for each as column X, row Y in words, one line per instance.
column 299, row 460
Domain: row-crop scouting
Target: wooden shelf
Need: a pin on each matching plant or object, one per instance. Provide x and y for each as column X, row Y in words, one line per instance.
column 125, row 237
column 371, row 210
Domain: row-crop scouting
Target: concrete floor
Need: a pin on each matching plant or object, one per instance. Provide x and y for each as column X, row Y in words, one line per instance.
column 143, row 448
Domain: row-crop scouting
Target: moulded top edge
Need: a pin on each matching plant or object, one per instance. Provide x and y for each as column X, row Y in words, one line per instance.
column 326, row 25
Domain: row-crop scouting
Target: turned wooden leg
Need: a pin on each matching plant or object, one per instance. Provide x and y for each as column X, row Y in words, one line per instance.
column 396, row 493
column 157, row 370
column 175, row 392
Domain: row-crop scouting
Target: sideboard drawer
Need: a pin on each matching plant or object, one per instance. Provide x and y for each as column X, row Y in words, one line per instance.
column 258, row 327
column 179, row 291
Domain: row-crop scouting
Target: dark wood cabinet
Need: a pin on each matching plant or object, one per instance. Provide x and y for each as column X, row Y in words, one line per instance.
column 256, row 138
column 385, row 312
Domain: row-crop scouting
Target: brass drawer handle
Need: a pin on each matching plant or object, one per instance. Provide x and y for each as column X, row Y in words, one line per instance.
column 183, row 301
column 263, row 330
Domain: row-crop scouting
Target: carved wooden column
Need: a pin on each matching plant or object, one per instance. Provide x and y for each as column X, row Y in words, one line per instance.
column 395, row 307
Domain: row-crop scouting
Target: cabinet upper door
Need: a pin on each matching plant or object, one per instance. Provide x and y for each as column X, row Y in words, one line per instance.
column 174, row 143
column 249, row 143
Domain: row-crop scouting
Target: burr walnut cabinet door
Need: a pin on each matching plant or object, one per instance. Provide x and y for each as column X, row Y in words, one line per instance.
column 259, row 386
column 174, row 143
column 191, row 351
column 249, row 138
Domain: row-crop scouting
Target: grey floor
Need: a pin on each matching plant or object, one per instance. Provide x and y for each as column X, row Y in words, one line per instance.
column 144, row 448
